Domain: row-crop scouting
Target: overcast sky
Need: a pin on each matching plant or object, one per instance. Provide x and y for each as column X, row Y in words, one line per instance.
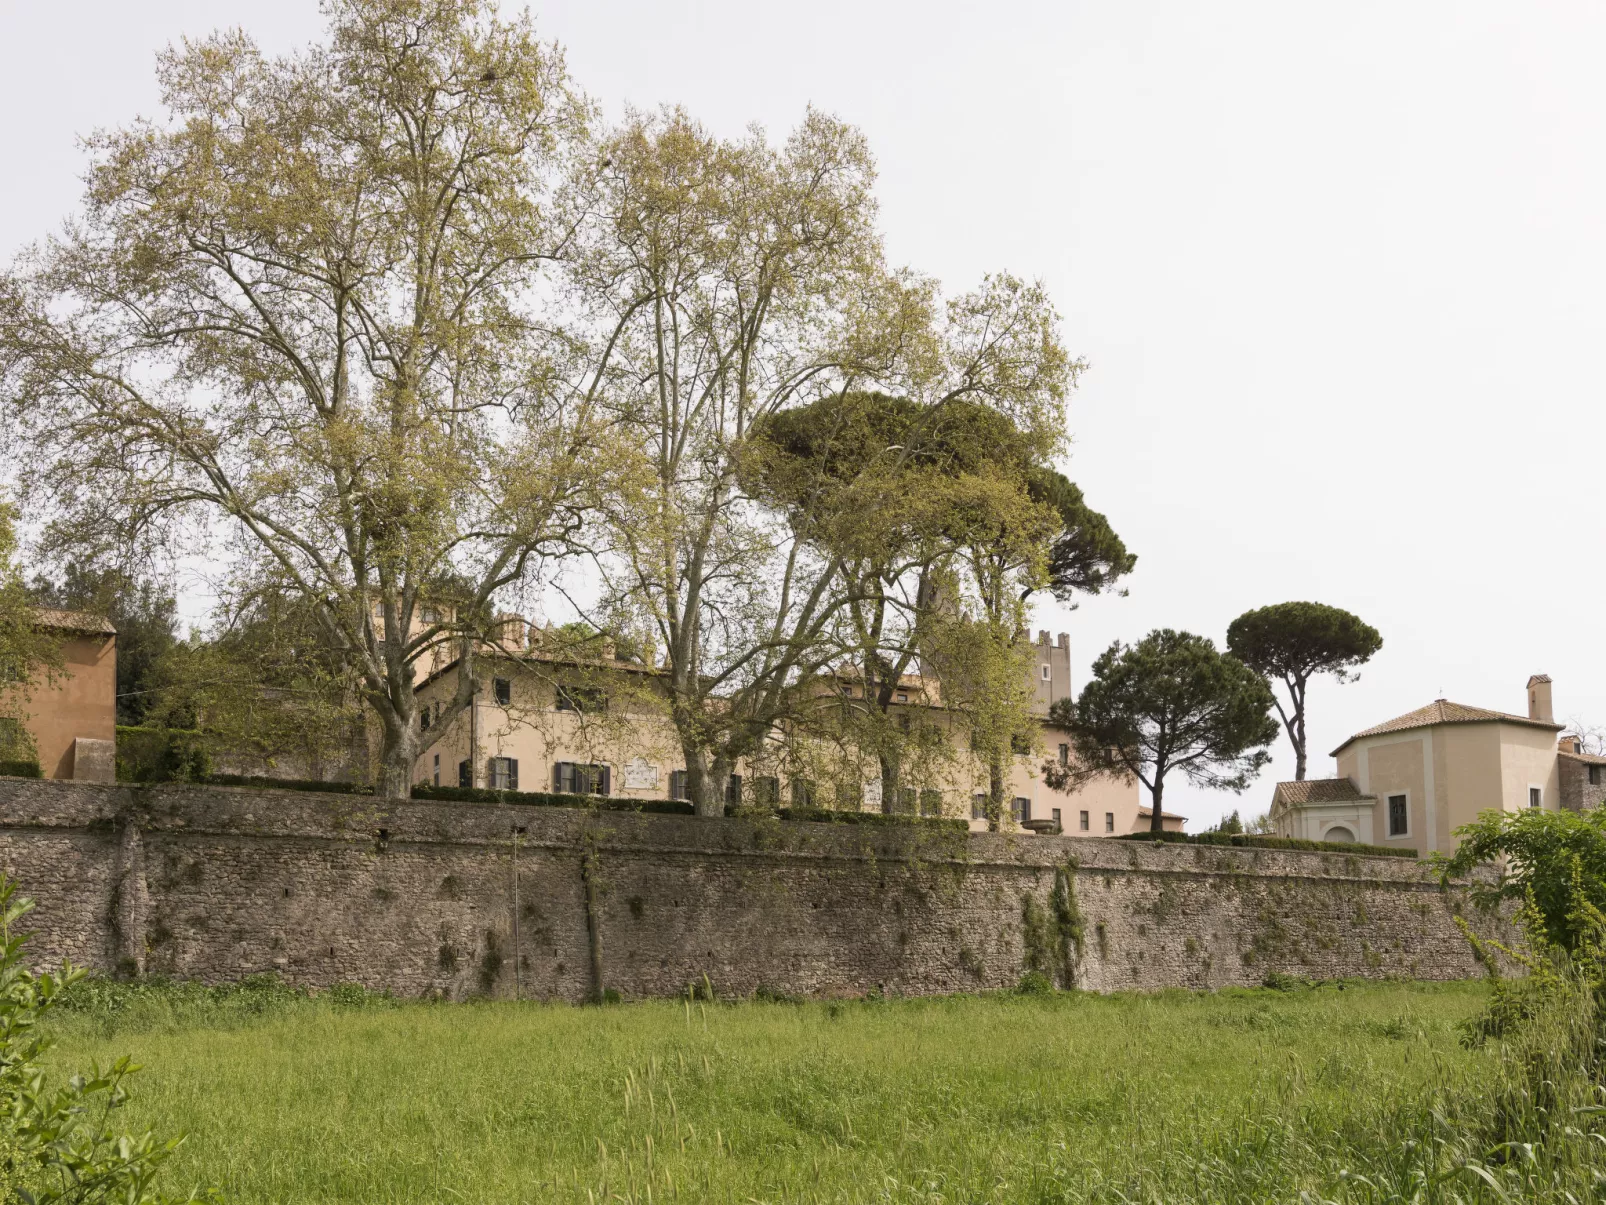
column 1337, row 271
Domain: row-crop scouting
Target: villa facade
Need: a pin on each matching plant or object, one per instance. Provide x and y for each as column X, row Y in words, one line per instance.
column 601, row 726
column 1413, row 780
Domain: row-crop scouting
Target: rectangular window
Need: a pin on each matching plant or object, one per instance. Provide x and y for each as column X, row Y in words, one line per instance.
column 504, row 774
column 1399, row 816
column 1059, row 827
column 1082, row 822
column 930, row 802
column 1021, row 809
column 677, row 785
column 1020, row 743
column 766, row 790
column 1065, row 755
column 978, row 806
column 465, row 774
column 1109, row 822
column 587, row 700
column 803, row 794
column 1594, row 776
column 503, row 689
column 902, row 696
column 1536, row 797
column 580, row 778
column 423, row 719
column 437, row 778
column 1045, row 673
column 733, row 792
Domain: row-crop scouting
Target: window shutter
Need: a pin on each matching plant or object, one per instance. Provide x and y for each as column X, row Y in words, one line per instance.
column 512, row 773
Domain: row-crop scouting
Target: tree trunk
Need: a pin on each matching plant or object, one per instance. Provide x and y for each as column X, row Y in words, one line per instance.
column 1299, row 762
column 1157, row 815
column 397, row 754
column 995, row 793
column 706, row 781
column 889, row 782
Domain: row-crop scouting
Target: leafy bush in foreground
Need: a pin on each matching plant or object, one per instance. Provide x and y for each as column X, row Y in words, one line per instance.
column 56, row 1144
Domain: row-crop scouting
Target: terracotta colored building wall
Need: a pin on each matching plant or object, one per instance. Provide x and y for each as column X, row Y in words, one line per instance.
column 81, row 702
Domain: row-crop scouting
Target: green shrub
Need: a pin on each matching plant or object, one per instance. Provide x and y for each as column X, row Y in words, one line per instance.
column 1551, row 859
column 554, row 799
column 1035, row 983
column 58, row 1144
column 20, row 769
column 263, row 783
column 162, row 754
column 1262, row 841
column 833, row 816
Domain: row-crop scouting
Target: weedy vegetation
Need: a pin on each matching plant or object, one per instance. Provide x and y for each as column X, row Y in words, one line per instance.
column 1354, row 1092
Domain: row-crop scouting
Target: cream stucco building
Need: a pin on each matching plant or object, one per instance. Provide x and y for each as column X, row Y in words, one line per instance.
column 1413, row 780
column 601, row 726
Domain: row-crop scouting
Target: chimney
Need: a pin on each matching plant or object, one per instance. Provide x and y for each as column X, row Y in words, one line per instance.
column 1539, row 699
column 1065, row 640
column 1042, row 636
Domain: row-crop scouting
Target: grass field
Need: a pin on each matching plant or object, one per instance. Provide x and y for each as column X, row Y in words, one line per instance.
column 1235, row 1096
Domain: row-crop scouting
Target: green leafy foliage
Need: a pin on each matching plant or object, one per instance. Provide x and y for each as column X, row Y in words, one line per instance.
column 1170, row 702
column 1548, row 859
column 1086, row 556
column 1291, row 642
column 57, row 1144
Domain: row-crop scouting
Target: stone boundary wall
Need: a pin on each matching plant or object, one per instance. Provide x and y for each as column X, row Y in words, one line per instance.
column 430, row 898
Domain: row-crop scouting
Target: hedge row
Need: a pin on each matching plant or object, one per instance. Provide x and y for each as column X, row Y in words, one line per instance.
column 263, row 783
column 554, row 799
column 20, row 769
column 830, row 816
column 1263, row 841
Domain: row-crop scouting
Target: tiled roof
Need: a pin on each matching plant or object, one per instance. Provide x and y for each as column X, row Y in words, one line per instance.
column 74, row 621
column 1587, row 758
column 1442, row 712
column 1321, row 790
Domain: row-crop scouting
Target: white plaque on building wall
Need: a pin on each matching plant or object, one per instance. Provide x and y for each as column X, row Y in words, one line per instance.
column 640, row 775
column 872, row 794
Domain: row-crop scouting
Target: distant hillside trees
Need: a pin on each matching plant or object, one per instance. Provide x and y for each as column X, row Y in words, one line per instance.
column 1292, row 642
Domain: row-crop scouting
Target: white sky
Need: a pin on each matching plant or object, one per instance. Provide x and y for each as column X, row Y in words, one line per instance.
column 1337, row 271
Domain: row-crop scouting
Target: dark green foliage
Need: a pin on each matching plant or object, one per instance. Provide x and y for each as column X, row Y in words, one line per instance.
column 1265, row 841
column 1295, row 640
column 146, row 619
column 1087, row 556
column 1291, row 642
column 261, row 783
column 1229, row 824
column 873, row 819
column 20, row 769
column 162, row 754
column 1052, row 937
column 1169, row 702
column 1541, row 854
column 553, row 799
column 1034, row 983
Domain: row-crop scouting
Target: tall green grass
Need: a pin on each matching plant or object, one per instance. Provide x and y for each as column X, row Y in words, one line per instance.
column 1357, row 1093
